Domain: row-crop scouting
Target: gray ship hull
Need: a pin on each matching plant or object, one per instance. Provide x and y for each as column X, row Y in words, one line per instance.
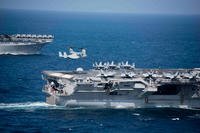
column 104, row 100
column 21, row 48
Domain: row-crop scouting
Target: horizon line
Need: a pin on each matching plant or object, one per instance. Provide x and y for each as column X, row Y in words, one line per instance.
column 103, row 12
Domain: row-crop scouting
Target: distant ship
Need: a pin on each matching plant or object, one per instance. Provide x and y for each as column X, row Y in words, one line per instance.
column 123, row 85
column 20, row 44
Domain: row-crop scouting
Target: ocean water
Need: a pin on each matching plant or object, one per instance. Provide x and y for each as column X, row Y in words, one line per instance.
column 151, row 41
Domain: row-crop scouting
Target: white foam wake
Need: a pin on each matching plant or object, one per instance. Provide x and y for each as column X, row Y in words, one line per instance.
column 15, row 54
column 26, row 105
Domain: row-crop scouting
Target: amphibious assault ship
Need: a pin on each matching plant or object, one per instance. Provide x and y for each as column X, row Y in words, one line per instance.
column 122, row 85
column 23, row 43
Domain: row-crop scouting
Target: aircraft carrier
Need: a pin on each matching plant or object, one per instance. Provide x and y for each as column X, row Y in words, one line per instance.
column 19, row 44
column 111, row 85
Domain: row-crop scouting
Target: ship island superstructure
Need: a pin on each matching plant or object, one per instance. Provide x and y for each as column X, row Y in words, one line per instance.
column 23, row 43
column 123, row 85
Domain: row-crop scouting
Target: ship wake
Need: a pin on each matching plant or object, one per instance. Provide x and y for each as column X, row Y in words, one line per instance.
column 26, row 105
column 31, row 106
column 15, row 54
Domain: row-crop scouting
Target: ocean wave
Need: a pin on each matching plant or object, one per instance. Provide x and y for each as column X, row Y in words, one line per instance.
column 194, row 116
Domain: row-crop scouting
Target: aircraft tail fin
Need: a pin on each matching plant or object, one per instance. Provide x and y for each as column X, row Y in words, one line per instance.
column 60, row 54
column 65, row 55
column 83, row 53
column 71, row 51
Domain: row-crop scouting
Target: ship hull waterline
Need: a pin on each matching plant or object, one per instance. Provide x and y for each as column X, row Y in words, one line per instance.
column 28, row 49
column 123, row 102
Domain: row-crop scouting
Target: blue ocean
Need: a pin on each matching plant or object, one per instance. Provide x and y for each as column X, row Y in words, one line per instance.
column 150, row 41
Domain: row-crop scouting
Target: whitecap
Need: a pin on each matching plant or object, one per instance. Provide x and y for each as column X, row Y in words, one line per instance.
column 136, row 114
column 175, row 119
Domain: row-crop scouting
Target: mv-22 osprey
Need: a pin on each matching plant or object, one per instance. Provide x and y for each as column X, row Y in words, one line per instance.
column 72, row 54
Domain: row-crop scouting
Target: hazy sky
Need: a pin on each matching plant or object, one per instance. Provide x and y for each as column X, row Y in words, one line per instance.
column 122, row 6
